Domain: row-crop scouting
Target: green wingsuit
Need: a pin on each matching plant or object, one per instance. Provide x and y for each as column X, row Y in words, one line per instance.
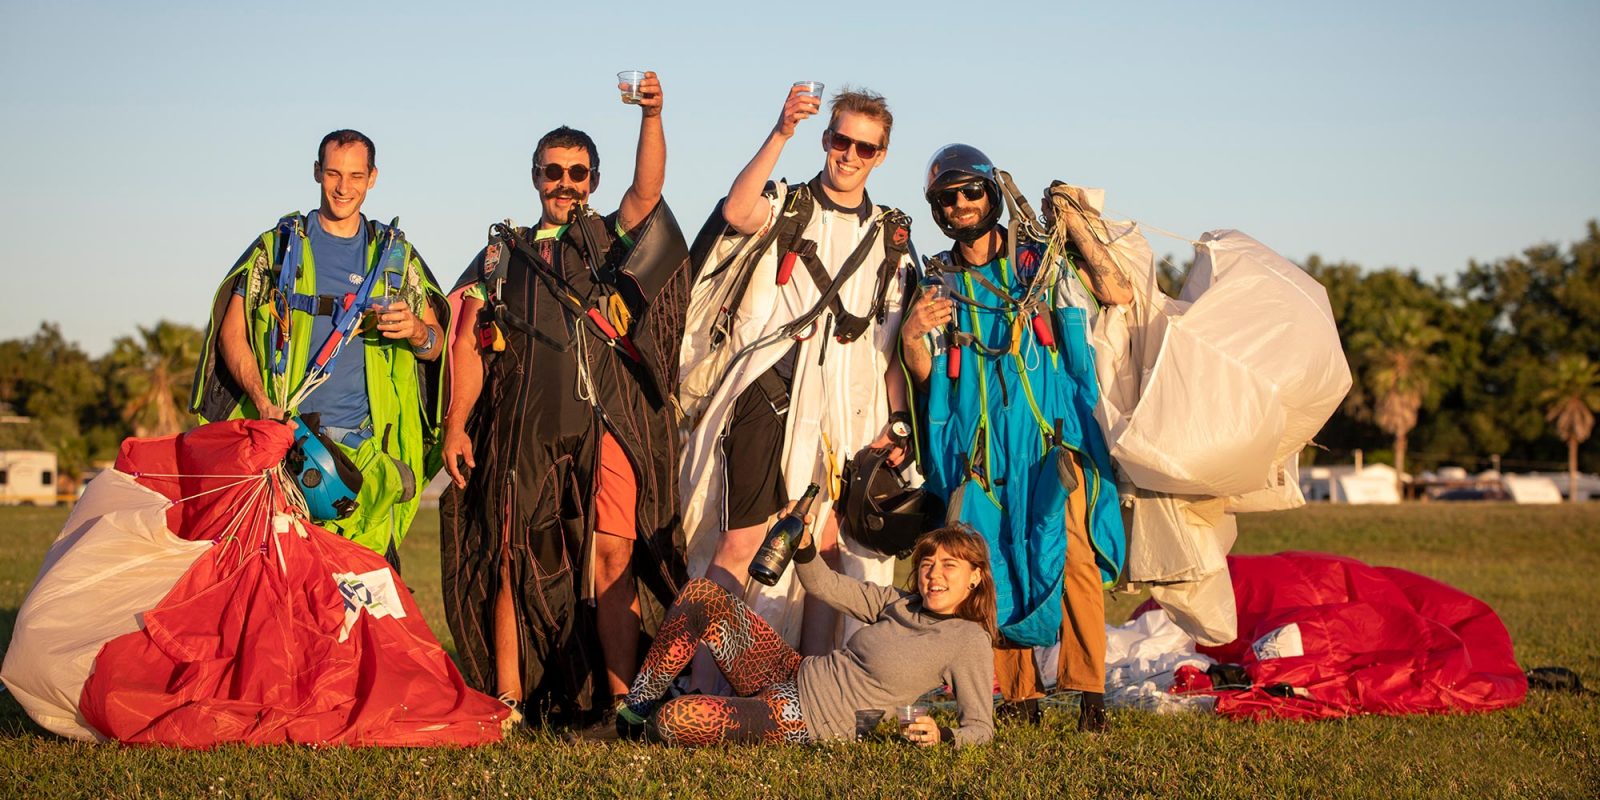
column 405, row 394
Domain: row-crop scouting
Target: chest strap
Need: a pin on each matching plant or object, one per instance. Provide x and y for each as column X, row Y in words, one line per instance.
column 895, row 227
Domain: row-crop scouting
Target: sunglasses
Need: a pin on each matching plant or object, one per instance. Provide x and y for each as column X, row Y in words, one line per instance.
column 973, row 192
column 553, row 172
column 840, row 142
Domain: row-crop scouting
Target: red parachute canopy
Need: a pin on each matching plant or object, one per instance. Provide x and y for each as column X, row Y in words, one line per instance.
column 1324, row 636
column 283, row 632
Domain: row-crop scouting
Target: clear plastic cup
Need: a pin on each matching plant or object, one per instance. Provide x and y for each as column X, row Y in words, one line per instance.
column 811, row 88
column 910, row 714
column 629, row 80
column 867, row 720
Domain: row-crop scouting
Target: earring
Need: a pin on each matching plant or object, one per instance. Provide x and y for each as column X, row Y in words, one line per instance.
column 972, row 585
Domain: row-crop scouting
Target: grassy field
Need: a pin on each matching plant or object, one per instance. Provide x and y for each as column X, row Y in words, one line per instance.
column 1537, row 566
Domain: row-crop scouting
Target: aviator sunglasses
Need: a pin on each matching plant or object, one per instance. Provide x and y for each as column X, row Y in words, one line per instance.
column 553, row 172
column 840, row 142
column 973, row 192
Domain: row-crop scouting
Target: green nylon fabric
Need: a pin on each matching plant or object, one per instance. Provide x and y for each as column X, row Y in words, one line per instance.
column 393, row 389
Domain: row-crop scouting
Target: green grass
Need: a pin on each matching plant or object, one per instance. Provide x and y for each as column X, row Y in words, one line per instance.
column 1536, row 566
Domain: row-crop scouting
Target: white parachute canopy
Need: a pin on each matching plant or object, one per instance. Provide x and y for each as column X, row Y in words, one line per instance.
column 114, row 560
column 1250, row 367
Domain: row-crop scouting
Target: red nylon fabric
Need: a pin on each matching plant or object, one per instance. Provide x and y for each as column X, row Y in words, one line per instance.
column 1374, row 640
column 245, row 648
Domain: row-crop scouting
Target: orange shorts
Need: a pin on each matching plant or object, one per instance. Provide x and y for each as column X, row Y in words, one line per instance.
column 616, row 491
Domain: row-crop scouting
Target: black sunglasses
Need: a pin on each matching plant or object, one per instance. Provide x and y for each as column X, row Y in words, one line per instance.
column 841, row 143
column 553, row 172
column 972, row 191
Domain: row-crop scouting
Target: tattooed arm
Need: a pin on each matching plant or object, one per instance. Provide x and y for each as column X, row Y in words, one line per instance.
column 1087, row 230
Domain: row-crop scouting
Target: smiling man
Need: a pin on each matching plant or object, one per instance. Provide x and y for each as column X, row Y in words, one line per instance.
column 279, row 308
column 559, row 437
column 798, row 375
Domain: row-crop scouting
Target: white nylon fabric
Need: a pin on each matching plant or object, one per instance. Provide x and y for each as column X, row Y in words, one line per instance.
column 1206, row 402
column 835, row 408
column 114, row 560
column 1245, row 375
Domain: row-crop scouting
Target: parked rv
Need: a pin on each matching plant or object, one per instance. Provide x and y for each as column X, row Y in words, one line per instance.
column 27, row 478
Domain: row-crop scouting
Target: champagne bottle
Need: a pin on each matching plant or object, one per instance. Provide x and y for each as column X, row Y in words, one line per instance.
column 782, row 540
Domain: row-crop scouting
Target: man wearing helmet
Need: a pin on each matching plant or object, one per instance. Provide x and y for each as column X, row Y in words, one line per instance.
column 997, row 351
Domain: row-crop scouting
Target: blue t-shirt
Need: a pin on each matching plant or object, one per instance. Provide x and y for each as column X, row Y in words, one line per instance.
column 341, row 266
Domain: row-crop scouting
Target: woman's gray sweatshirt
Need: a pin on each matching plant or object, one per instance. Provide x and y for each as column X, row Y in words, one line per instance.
column 902, row 653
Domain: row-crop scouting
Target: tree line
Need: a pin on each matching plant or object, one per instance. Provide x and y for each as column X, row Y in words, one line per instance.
column 1500, row 361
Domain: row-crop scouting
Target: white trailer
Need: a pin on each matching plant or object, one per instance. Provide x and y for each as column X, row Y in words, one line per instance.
column 27, row 477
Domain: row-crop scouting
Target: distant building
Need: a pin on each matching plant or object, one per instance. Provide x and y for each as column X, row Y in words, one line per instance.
column 27, row 477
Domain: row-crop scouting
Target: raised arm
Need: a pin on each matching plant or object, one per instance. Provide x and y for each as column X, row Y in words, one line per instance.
column 1088, row 231
column 649, row 161
column 862, row 600
column 746, row 209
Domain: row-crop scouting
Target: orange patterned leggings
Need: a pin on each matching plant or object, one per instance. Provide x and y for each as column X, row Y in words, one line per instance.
column 759, row 665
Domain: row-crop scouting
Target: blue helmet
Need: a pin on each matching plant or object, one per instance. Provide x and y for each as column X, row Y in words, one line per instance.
column 326, row 476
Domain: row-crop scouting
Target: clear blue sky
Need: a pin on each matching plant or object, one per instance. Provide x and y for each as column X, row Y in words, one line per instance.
column 144, row 145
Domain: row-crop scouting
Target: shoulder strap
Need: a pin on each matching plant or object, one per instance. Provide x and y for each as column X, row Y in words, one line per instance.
column 787, row 232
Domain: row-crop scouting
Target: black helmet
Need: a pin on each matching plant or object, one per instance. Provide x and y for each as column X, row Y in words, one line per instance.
column 878, row 510
column 955, row 165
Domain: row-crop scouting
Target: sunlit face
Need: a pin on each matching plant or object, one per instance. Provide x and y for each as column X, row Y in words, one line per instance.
column 558, row 198
column 846, row 171
column 944, row 581
column 345, row 179
column 967, row 213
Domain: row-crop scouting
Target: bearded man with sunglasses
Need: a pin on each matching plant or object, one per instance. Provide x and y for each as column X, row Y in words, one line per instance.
column 996, row 346
column 560, row 439
column 788, row 367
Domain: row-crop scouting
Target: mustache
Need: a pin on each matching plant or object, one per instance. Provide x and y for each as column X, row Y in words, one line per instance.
column 570, row 194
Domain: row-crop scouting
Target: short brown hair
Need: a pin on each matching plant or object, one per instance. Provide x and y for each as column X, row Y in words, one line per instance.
column 568, row 137
column 963, row 542
column 345, row 136
column 867, row 103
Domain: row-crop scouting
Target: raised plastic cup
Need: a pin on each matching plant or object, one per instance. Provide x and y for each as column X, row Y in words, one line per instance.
column 630, row 80
column 810, row 88
column 867, row 720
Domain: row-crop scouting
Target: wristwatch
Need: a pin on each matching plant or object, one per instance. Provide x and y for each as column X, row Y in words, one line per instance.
column 900, row 426
column 428, row 343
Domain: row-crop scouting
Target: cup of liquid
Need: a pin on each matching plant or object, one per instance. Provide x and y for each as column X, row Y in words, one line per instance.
column 867, row 720
column 628, row 81
column 810, row 88
column 910, row 714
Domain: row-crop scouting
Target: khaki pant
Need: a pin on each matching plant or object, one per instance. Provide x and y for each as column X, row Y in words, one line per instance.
column 1082, row 663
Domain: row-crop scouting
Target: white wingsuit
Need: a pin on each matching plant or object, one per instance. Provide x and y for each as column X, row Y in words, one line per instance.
column 838, row 399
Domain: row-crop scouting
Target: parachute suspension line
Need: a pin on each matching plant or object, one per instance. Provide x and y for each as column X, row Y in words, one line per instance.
column 212, row 490
column 229, row 535
column 306, row 389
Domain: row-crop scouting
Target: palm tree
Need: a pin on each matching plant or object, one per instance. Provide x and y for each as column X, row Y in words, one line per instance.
column 1400, row 369
column 1572, row 396
column 152, row 375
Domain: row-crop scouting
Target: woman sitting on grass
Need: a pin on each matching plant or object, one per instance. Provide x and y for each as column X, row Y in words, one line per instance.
column 914, row 641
